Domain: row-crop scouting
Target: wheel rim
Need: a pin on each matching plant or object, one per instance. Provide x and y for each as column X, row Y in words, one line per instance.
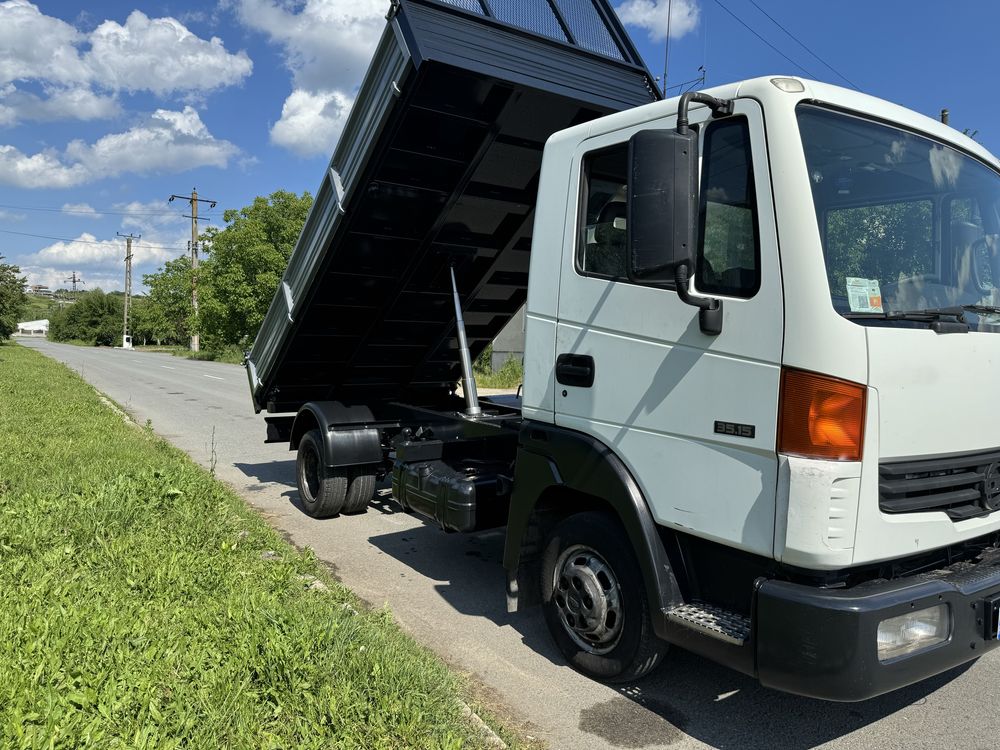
column 310, row 471
column 588, row 598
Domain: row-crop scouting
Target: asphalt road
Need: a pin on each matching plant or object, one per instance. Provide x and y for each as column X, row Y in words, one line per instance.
column 448, row 592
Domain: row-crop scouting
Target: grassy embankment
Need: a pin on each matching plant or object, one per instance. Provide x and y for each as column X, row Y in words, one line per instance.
column 142, row 604
column 231, row 354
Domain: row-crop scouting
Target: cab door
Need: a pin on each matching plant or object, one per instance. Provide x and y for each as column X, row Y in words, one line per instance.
column 693, row 416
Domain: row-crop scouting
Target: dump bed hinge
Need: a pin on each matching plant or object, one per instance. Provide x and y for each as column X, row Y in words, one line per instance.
column 338, row 190
column 289, row 302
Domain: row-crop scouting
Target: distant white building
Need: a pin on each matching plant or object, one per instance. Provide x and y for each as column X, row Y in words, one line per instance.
column 33, row 328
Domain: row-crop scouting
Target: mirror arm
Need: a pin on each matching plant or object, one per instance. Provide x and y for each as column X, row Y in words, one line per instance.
column 719, row 107
column 709, row 308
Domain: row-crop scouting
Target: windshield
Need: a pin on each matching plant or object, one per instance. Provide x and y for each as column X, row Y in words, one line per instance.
column 908, row 224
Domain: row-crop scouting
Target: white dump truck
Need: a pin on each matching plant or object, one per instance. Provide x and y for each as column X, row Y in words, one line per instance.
column 758, row 418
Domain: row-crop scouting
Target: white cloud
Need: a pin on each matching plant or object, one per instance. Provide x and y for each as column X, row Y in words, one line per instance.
column 162, row 56
column 946, row 165
column 85, row 250
column 94, row 258
column 311, row 123
column 168, row 141
column 36, row 46
column 327, row 45
column 80, row 209
column 81, row 74
column 6, row 215
column 651, row 15
column 43, row 169
column 77, row 103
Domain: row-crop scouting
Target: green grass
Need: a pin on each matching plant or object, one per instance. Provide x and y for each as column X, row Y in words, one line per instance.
column 139, row 606
column 38, row 308
column 230, row 354
column 510, row 375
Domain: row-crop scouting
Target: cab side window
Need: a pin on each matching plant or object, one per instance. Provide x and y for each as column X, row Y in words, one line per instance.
column 602, row 247
column 728, row 260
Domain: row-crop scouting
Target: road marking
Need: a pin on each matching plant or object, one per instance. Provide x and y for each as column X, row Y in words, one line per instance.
column 168, row 368
column 213, row 377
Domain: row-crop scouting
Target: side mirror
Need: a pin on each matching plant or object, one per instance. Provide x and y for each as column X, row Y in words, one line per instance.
column 662, row 204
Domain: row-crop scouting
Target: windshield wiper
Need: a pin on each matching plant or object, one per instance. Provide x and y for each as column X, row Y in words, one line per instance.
column 926, row 314
column 994, row 309
column 942, row 319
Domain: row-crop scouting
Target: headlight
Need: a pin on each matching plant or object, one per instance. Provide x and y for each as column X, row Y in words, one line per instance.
column 914, row 631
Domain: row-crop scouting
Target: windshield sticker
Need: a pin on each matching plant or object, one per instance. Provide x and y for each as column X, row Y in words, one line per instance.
column 864, row 295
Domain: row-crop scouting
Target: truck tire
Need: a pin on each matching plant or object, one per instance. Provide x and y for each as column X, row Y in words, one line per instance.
column 594, row 600
column 322, row 489
column 360, row 491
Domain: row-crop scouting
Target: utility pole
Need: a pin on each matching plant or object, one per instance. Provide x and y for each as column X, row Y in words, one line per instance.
column 666, row 51
column 75, row 280
column 126, row 341
column 193, row 201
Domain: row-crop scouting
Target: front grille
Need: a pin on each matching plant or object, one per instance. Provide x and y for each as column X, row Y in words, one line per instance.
column 966, row 486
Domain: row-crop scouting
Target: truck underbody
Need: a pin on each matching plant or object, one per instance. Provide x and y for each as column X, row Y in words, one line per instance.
column 808, row 632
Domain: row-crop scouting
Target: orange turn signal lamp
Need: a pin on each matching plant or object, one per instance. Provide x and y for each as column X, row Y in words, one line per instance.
column 821, row 417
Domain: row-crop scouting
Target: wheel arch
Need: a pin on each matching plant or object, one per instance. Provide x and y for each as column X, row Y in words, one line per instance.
column 347, row 438
column 560, row 472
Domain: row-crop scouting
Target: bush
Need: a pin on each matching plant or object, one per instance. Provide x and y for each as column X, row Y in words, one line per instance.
column 95, row 318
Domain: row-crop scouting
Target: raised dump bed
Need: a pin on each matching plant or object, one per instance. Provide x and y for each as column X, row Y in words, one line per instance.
column 440, row 159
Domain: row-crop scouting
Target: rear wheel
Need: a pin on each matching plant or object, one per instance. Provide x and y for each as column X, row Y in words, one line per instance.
column 322, row 489
column 360, row 491
column 594, row 600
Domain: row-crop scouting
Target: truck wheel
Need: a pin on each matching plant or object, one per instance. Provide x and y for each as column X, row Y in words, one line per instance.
column 594, row 600
column 360, row 491
column 322, row 489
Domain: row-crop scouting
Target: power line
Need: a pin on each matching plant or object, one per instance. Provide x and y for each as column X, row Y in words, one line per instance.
column 85, row 212
column 802, row 45
column 90, row 242
column 748, row 28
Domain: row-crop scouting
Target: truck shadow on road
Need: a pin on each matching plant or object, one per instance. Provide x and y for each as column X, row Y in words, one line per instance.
column 687, row 695
column 270, row 472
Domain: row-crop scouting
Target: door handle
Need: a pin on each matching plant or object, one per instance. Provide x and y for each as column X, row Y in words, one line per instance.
column 575, row 370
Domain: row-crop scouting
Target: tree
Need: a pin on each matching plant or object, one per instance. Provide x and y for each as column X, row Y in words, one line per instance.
column 13, row 300
column 166, row 314
column 245, row 263
column 146, row 322
column 95, row 317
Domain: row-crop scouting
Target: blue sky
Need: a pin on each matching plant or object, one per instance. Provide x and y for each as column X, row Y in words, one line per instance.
column 106, row 111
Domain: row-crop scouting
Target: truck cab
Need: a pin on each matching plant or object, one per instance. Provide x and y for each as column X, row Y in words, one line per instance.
column 825, row 455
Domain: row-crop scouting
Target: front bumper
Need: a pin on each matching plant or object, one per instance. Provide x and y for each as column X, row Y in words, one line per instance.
column 822, row 642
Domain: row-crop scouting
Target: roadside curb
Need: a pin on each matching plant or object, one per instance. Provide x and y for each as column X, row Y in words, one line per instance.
column 491, row 737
